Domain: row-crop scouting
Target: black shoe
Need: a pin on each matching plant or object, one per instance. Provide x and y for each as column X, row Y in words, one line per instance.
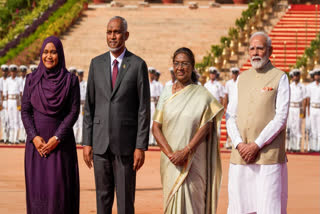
column 1, row 141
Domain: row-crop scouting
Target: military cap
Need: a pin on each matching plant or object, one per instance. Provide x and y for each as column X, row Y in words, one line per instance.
column 316, row 71
column 152, row 70
column 4, row 67
column 80, row 72
column 158, row 72
column 72, row 69
column 295, row 72
column 13, row 67
column 213, row 70
column 235, row 70
column 33, row 67
column 23, row 68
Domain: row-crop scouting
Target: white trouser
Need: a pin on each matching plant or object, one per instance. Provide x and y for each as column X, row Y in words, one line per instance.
column 4, row 121
column 77, row 128
column 261, row 189
column 13, row 115
column 307, row 132
column 294, row 129
column 315, row 129
column 152, row 111
column 22, row 131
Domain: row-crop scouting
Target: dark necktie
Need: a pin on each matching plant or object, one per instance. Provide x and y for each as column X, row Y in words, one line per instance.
column 114, row 72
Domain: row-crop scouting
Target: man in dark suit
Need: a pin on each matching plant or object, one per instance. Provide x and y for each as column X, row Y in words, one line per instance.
column 116, row 120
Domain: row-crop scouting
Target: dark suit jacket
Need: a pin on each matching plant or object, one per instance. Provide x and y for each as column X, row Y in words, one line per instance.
column 119, row 118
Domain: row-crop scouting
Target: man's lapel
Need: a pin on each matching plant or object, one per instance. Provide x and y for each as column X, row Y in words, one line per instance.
column 123, row 69
column 107, row 73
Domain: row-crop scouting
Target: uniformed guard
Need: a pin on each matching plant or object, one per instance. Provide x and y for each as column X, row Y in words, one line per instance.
column 296, row 112
column 73, row 69
column 154, row 94
column 23, row 72
column 214, row 86
column 314, row 96
column 159, row 85
column 78, row 125
column 3, row 106
column 307, row 131
column 230, row 94
column 12, row 91
column 173, row 77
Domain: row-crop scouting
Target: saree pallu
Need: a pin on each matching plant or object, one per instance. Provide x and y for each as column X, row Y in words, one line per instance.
column 194, row 187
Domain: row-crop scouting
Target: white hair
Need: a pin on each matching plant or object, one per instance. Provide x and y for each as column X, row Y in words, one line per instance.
column 124, row 22
column 261, row 33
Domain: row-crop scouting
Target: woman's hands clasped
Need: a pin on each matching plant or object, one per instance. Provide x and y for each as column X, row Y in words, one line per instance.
column 180, row 157
column 44, row 148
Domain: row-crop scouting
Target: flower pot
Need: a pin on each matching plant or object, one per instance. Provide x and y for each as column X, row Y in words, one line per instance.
column 240, row 1
column 85, row 5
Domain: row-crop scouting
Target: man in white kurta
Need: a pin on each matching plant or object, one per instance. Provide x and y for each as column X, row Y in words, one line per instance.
column 256, row 120
column 77, row 128
column 314, row 96
column 297, row 106
column 214, row 86
column 12, row 91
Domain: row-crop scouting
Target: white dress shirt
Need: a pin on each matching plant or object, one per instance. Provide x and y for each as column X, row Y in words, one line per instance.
column 298, row 92
column 215, row 88
column 119, row 59
column 314, row 92
column 273, row 128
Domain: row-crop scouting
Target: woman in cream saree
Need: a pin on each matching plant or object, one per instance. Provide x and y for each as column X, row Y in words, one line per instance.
column 185, row 126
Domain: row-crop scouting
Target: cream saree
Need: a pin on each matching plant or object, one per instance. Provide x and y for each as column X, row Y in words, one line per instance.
column 193, row 188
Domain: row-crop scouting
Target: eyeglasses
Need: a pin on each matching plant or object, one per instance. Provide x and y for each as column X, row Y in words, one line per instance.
column 182, row 64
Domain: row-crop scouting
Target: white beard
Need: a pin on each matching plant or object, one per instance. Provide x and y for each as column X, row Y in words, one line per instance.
column 259, row 64
column 115, row 49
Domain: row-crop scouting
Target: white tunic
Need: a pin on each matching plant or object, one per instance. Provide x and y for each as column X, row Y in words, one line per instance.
column 83, row 89
column 215, row 88
column 169, row 83
column 268, row 193
column 314, row 92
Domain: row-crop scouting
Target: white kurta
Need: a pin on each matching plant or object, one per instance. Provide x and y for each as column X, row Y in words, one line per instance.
column 294, row 135
column 314, row 94
column 259, row 188
column 215, row 88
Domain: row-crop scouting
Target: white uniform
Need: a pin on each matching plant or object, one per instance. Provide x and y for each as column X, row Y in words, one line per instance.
column 215, row 88
column 169, row 83
column 230, row 89
column 160, row 87
column 314, row 94
column 294, row 135
column 307, row 135
column 266, row 188
column 22, row 131
column 77, row 128
column 4, row 113
column 154, row 94
column 12, row 91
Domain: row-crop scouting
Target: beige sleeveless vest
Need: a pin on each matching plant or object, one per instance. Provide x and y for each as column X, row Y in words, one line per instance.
column 257, row 93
